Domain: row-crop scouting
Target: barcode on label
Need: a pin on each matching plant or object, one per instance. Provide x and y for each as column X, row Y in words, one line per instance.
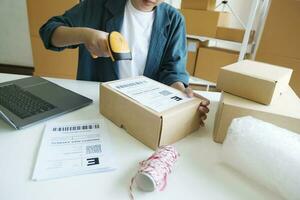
column 93, row 149
column 76, row 128
column 165, row 92
column 130, row 84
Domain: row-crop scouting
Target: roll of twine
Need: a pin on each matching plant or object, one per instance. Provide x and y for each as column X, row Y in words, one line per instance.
column 155, row 170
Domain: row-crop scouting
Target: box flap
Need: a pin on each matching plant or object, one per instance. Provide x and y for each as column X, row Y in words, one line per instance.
column 217, row 121
column 186, row 118
column 259, row 70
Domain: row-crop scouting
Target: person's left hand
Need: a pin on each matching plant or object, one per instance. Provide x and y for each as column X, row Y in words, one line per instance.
column 203, row 107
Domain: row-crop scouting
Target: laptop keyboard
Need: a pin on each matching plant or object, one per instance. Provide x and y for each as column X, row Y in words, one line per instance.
column 22, row 103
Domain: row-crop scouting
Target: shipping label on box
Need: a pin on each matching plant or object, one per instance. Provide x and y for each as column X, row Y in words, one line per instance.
column 284, row 112
column 150, row 111
column 257, row 81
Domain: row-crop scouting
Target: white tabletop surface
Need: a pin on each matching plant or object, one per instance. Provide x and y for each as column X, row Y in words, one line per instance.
column 198, row 174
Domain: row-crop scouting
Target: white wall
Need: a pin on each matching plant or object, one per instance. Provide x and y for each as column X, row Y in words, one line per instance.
column 15, row 46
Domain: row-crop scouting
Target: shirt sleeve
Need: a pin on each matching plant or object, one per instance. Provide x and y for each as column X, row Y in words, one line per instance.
column 73, row 17
column 173, row 64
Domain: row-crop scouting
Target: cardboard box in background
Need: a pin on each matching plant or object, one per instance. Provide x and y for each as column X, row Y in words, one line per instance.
column 289, row 62
column 204, row 23
column 198, row 4
column 210, row 60
column 280, row 43
column 192, row 49
column 255, row 81
column 51, row 63
column 284, row 112
column 233, row 34
column 148, row 126
column 281, row 30
column 39, row 12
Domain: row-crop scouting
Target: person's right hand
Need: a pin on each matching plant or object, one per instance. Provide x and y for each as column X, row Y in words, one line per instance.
column 96, row 43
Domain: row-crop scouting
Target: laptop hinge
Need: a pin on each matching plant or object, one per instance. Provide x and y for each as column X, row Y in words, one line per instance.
column 7, row 119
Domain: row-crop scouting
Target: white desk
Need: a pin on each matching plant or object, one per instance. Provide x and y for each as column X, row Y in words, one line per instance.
column 197, row 175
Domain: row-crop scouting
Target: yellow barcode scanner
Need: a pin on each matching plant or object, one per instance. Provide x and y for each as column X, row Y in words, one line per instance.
column 118, row 47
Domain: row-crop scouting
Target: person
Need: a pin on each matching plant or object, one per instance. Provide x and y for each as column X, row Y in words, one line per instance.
column 155, row 32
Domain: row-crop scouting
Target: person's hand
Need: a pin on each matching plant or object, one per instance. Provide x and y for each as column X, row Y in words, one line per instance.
column 96, row 43
column 203, row 107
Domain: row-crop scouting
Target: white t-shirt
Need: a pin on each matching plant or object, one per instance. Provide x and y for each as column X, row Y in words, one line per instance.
column 137, row 28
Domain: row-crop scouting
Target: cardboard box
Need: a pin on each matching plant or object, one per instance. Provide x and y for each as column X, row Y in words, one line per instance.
column 51, row 63
column 204, row 23
column 204, row 87
column 192, row 49
column 210, row 60
column 289, row 62
column 233, row 34
column 255, row 81
column 148, row 126
column 281, row 32
column 284, row 112
column 198, row 4
column 39, row 12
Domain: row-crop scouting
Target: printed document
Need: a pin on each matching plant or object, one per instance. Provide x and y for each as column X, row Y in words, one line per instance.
column 73, row 149
column 150, row 93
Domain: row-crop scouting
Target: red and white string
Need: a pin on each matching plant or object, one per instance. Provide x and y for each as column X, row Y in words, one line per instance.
column 157, row 166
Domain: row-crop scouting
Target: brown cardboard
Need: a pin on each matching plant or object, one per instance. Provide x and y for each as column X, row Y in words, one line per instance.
column 40, row 11
column 192, row 49
column 257, row 81
column 51, row 63
column 281, row 30
column 204, row 87
column 204, row 23
column 210, row 60
column 284, row 112
column 198, row 4
column 289, row 62
column 233, row 34
column 148, row 126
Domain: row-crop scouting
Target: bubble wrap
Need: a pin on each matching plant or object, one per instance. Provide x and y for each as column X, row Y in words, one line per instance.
column 265, row 153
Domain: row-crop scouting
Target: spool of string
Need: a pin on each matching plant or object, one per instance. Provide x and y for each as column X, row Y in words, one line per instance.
column 153, row 172
column 268, row 154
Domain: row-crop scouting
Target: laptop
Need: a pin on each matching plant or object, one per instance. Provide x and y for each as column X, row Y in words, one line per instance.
column 26, row 101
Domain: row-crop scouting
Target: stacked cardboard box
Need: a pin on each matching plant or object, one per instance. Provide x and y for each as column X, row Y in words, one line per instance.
column 233, row 34
column 247, row 87
column 202, row 20
column 280, row 43
column 193, row 46
column 210, row 60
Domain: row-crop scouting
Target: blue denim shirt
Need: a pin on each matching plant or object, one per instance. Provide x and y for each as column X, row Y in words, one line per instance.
column 167, row 51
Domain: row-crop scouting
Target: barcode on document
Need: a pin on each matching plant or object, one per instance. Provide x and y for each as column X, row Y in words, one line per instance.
column 76, row 128
column 93, row 149
column 130, row 84
column 165, row 92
